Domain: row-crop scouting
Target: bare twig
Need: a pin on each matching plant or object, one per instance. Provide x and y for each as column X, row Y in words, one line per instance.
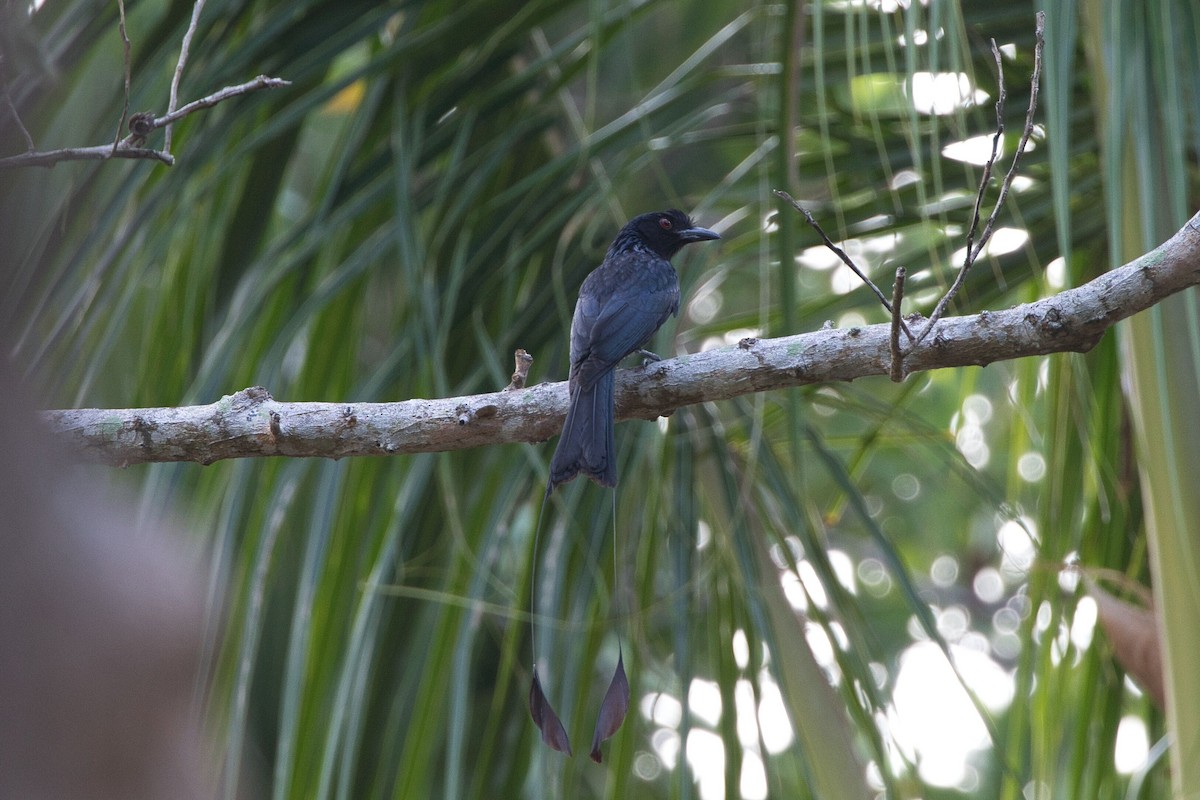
column 12, row 108
column 897, row 371
column 127, row 148
column 127, row 47
column 1034, row 84
column 173, row 102
column 239, row 426
column 839, row 252
column 261, row 82
column 130, row 147
column 986, row 178
column 100, row 152
column 974, row 249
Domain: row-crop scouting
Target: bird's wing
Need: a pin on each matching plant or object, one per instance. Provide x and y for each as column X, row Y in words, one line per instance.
column 603, row 334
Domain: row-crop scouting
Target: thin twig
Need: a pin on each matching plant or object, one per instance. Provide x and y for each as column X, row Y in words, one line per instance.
column 100, row 152
column 126, row 148
column 974, row 249
column 849, row 262
column 12, row 109
column 173, row 102
column 971, row 252
column 1034, row 83
column 1001, row 100
column 897, row 371
column 127, row 47
column 261, row 82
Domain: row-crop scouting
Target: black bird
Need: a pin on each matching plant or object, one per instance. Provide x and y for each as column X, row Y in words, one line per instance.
column 621, row 304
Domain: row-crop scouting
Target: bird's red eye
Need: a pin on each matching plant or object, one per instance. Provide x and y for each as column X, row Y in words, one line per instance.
column 664, row 223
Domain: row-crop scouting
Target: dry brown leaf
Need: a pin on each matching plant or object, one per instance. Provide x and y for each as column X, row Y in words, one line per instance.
column 1133, row 633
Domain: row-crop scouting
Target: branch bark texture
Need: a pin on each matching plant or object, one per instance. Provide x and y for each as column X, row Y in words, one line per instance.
column 251, row 423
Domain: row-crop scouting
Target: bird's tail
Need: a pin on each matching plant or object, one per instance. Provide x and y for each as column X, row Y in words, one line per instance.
column 587, row 444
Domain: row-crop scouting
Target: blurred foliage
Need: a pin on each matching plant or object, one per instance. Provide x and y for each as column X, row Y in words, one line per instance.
column 1150, row 148
column 425, row 198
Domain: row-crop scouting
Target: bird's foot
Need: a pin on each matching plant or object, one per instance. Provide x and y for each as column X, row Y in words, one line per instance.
column 648, row 357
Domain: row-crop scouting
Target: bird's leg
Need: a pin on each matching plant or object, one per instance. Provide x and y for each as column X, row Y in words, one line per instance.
column 648, row 357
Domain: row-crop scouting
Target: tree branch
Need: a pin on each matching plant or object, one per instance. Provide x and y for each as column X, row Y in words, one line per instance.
column 839, row 252
column 253, row 424
column 126, row 48
column 896, row 370
column 975, row 247
column 12, row 108
column 128, row 147
column 261, row 82
column 99, row 152
column 173, row 99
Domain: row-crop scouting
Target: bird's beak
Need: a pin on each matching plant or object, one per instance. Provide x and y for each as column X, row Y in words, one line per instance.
column 698, row 235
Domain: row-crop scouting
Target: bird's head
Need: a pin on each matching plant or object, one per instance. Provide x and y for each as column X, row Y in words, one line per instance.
column 665, row 232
